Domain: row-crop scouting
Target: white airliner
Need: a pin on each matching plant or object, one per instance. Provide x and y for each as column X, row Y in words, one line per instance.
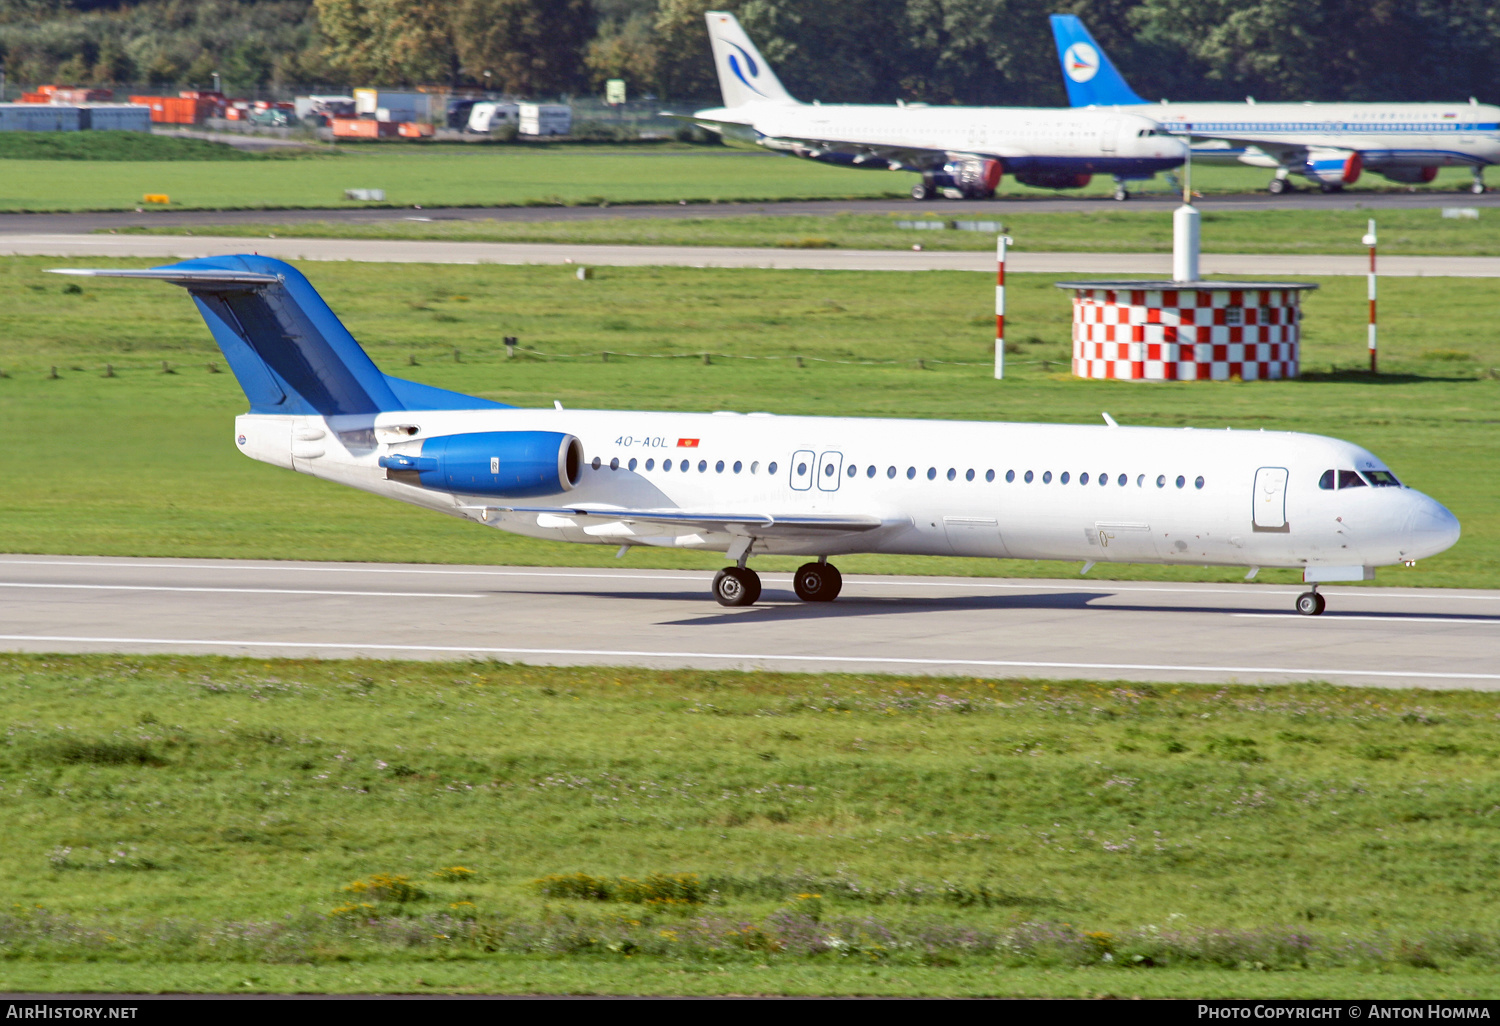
column 1328, row 143
column 960, row 152
column 757, row 484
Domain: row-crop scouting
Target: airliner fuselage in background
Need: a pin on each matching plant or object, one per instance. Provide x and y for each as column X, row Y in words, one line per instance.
column 756, row 484
column 1328, row 143
column 958, row 151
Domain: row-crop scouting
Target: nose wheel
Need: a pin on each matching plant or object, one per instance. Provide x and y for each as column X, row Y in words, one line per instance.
column 817, row 582
column 1310, row 603
column 737, row 586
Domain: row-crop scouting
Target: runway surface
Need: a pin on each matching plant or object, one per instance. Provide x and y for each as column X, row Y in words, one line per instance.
column 88, row 221
column 1391, row 637
column 1159, row 265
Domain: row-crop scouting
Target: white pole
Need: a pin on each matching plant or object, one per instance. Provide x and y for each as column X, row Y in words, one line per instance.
column 1186, row 227
column 1369, row 240
column 1000, row 244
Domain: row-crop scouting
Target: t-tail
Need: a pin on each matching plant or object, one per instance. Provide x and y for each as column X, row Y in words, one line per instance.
column 289, row 351
column 744, row 75
column 1090, row 76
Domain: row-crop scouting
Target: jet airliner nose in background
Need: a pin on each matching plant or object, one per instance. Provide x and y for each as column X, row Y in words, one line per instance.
column 960, row 152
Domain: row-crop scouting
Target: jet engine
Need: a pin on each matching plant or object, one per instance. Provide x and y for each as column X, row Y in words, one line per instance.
column 1409, row 175
column 1053, row 179
column 974, row 179
column 1333, row 168
column 510, row 464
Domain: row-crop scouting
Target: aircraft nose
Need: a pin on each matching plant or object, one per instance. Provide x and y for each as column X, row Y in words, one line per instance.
column 1430, row 529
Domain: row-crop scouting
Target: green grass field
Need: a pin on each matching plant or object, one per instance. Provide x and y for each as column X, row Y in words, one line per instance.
column 199, row 823
column 143, row 463
column 498, row 175
column 1100, row 230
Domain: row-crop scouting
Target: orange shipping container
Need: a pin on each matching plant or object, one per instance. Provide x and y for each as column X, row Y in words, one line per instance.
column 414, row 130
column 362, row 128
column 36, row 97
column 46, row 90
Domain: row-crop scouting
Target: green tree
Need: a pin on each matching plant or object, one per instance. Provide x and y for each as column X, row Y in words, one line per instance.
column 531, row 47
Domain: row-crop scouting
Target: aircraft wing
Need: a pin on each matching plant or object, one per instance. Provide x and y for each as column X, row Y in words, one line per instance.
column 756, row 524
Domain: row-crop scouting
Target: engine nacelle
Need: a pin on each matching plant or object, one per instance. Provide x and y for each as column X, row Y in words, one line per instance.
column 1053, row 179
column 975, row 179
column 510, row 464
column 1333, row 167
column 1409, row 175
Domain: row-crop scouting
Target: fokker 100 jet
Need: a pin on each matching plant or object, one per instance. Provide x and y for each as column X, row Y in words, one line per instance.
column 756, row 484
column 960, row 152
column 1327, row 143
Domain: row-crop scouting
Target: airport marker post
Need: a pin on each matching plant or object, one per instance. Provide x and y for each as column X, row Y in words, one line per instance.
column 1000, row 244
column 1369, row 240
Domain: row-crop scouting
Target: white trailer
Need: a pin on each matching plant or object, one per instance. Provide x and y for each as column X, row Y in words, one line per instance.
column 546, row 119
column 486, row 117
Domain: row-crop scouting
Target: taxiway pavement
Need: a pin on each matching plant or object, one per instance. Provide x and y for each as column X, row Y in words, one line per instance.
column 1060, row 629
column 1149, row 265
column 1356, row 199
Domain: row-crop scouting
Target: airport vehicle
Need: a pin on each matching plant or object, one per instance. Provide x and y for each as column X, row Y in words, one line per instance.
column 756, row 484
column 1330, row 144
column 960, row 152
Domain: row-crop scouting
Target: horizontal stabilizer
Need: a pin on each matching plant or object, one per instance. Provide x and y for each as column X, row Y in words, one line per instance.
column 195, row 277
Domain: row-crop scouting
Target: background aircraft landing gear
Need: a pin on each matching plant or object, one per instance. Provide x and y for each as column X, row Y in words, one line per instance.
column 1279, row 185
column 1330, row 187
column 1477, row 186
column 737, row 586
column 817, row 582
column 924, row 190
column 1310, row 603
column 1121, row 193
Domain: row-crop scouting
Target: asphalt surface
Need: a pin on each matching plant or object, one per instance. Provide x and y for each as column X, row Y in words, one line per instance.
column 1137, row 265
column 1392, row 637
column 27, row 224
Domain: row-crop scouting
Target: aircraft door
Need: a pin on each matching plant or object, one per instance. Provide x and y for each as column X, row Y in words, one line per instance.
column 830, row 468
column 1270, row 498
column 1109, row 135
column 803, row 466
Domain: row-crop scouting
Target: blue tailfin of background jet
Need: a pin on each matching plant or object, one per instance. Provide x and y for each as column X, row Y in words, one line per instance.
column 288, row 350
column 1090, row 77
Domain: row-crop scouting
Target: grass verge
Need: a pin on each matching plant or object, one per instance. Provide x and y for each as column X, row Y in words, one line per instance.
column 531, row 174
column 141, row 462
column 350, row 825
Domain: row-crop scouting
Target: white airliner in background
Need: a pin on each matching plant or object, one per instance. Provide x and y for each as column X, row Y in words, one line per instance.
column 758, row 484
column 960, row 152
column 1328, row 143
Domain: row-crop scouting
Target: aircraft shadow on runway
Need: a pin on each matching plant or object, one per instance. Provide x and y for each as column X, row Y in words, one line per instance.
column 779, row 605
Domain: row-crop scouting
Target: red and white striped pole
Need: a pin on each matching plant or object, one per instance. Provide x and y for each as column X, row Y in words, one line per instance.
column 1000, row 244
column 1369, row 240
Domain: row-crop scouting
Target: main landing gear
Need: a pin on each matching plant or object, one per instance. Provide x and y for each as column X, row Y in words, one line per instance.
column 1310, row 603
column 1122, row 191
column 813, row 582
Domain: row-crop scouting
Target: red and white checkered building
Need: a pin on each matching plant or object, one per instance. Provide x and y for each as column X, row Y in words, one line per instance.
column 1188, row 331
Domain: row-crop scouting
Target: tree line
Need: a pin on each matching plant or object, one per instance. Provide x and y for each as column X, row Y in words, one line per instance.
column 875, row 51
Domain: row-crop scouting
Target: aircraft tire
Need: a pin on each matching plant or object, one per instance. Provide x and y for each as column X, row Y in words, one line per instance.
column 817, row 582
column 923, row 191
column 1310, row 603
column 1331, row 187
column 1477, row 188
column 1277, row 186
column 736, row 586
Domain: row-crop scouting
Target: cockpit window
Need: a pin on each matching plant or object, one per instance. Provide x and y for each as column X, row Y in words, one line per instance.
column 1350, row 479
column 1382, row 479
column 1326, row 481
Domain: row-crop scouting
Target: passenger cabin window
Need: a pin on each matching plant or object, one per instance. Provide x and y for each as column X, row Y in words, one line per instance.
column 770, row 467
column 1350, row 479
column 650, row 464
column 1326, row 481
column 632, row 463
column 1382, row 479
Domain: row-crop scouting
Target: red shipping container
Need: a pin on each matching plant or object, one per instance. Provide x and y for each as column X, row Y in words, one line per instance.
column 36, row 98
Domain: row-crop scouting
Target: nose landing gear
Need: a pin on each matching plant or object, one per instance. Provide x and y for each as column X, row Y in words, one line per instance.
column 1310, row 603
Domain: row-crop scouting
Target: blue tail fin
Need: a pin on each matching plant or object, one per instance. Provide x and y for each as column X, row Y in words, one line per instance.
column 288, row 350
column 1090, row 76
